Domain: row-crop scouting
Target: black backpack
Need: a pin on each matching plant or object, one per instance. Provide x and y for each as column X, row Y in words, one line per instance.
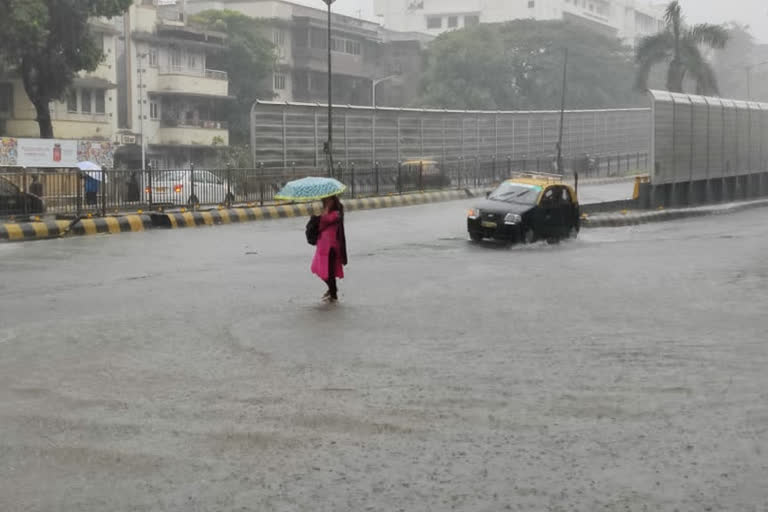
column 313, row 230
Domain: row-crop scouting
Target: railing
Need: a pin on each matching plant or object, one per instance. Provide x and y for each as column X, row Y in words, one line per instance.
column 216, row 74
column 213, row 74
column 78, row 193
column 199, row 123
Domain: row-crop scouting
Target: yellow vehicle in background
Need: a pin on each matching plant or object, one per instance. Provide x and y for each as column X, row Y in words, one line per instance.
column 423, row 173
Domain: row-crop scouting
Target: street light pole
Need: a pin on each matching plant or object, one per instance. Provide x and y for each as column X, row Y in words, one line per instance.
column 140, row 70
column 329, row 144
column 562, row 115
column 374, row 84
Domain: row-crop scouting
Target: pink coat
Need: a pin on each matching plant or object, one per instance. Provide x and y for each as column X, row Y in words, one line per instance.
column 328, row 240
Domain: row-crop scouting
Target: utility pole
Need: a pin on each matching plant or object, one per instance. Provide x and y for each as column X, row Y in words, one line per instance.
column 140, row 70
column 562, row 115
column 329, row 144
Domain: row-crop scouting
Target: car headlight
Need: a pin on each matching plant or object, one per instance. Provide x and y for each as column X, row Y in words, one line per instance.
column 512, row 218
column 473, row 214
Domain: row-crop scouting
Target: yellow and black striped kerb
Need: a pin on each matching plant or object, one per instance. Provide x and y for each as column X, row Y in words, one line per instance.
column 57, row 228
column 236, row 215
column 14, row 231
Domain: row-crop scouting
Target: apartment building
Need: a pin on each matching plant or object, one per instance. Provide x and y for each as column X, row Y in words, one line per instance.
column 626, row 19
column 153, row 87
column 87, row 112
column 167, row 95
column 363, row 53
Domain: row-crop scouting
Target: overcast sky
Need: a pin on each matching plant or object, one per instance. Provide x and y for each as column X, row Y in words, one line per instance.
column 752, row 12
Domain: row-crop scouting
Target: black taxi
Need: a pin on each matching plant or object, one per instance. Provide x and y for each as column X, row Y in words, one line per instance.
column 526, row 209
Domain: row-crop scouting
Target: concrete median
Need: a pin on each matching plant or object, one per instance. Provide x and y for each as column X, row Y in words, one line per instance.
column 39, row 230
column 637, row 217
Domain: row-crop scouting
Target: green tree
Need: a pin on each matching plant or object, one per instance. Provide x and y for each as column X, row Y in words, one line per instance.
column 519, row 65
column 48, row 42
column 249, row 59
column 680, row 46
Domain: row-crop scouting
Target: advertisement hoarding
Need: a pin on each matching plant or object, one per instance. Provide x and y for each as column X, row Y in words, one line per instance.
column 42, row 153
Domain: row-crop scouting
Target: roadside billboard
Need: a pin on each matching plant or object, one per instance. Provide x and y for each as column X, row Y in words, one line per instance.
column 54, row 153
column 41, row 153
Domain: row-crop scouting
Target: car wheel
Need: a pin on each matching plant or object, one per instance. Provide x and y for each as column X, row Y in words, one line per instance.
column 475, row 237
column 193, row 200
column 529, row 236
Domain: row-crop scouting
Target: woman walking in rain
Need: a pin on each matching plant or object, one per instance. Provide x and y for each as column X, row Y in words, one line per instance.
column 331, row 253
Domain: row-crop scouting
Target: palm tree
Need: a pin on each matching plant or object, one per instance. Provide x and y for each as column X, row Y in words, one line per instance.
column 680, row 45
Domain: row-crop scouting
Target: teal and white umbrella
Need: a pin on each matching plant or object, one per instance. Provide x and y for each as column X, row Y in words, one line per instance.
column 310, row 189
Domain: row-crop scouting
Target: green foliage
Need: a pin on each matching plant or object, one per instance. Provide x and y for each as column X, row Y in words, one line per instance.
column 48, row 42
column 234, row 156
column 249, row 59
column 519, row 65
column 679, row 46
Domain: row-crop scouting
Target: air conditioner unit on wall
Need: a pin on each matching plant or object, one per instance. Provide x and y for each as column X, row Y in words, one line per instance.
column 127, row 139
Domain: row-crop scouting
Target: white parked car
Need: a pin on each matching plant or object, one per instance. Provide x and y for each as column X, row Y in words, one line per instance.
column 187, row 188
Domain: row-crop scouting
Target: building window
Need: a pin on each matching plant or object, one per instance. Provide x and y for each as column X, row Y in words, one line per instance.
column 353, row 47
column 434, row 22
column 154, row 110
column 85, row 101
column 278, row 37
column 72, row 101
column 153, row 60
column 471, row 21
column 175, row 58
column 453, row 21
column 100, row 101
column 531, row 4
column 279, row 82
column 6, row 98
column 319, row 39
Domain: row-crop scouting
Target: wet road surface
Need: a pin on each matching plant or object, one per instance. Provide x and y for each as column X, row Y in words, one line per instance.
column 196, row 370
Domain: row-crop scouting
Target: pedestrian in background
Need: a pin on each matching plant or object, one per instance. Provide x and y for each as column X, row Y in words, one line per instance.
column 331, row 253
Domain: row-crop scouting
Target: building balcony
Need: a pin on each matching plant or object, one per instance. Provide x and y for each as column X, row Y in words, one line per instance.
column 191, row 133
column 208, row 83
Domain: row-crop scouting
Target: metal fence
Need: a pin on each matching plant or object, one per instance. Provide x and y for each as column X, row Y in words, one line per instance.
column 698, row 138
column 75, row 192
column 293, row 134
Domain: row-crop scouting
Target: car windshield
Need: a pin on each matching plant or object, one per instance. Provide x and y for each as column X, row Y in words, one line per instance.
column 516, row 193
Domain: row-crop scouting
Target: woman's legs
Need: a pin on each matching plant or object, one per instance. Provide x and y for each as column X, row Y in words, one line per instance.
column 331, row 282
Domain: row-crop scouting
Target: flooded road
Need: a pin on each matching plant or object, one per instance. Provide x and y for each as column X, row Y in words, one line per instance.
column 196, row 370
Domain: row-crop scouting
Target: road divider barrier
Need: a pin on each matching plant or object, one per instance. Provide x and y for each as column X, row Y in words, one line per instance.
column 13, row 231
column 46, row 229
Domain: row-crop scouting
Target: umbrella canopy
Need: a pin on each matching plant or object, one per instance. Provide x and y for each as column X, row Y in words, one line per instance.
column 310, row 189
column 91, row 170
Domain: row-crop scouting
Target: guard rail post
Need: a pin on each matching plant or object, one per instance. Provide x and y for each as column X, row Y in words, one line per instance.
column 228, row 200
column 24, row 190
column 103, row 192
column 192, row 198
